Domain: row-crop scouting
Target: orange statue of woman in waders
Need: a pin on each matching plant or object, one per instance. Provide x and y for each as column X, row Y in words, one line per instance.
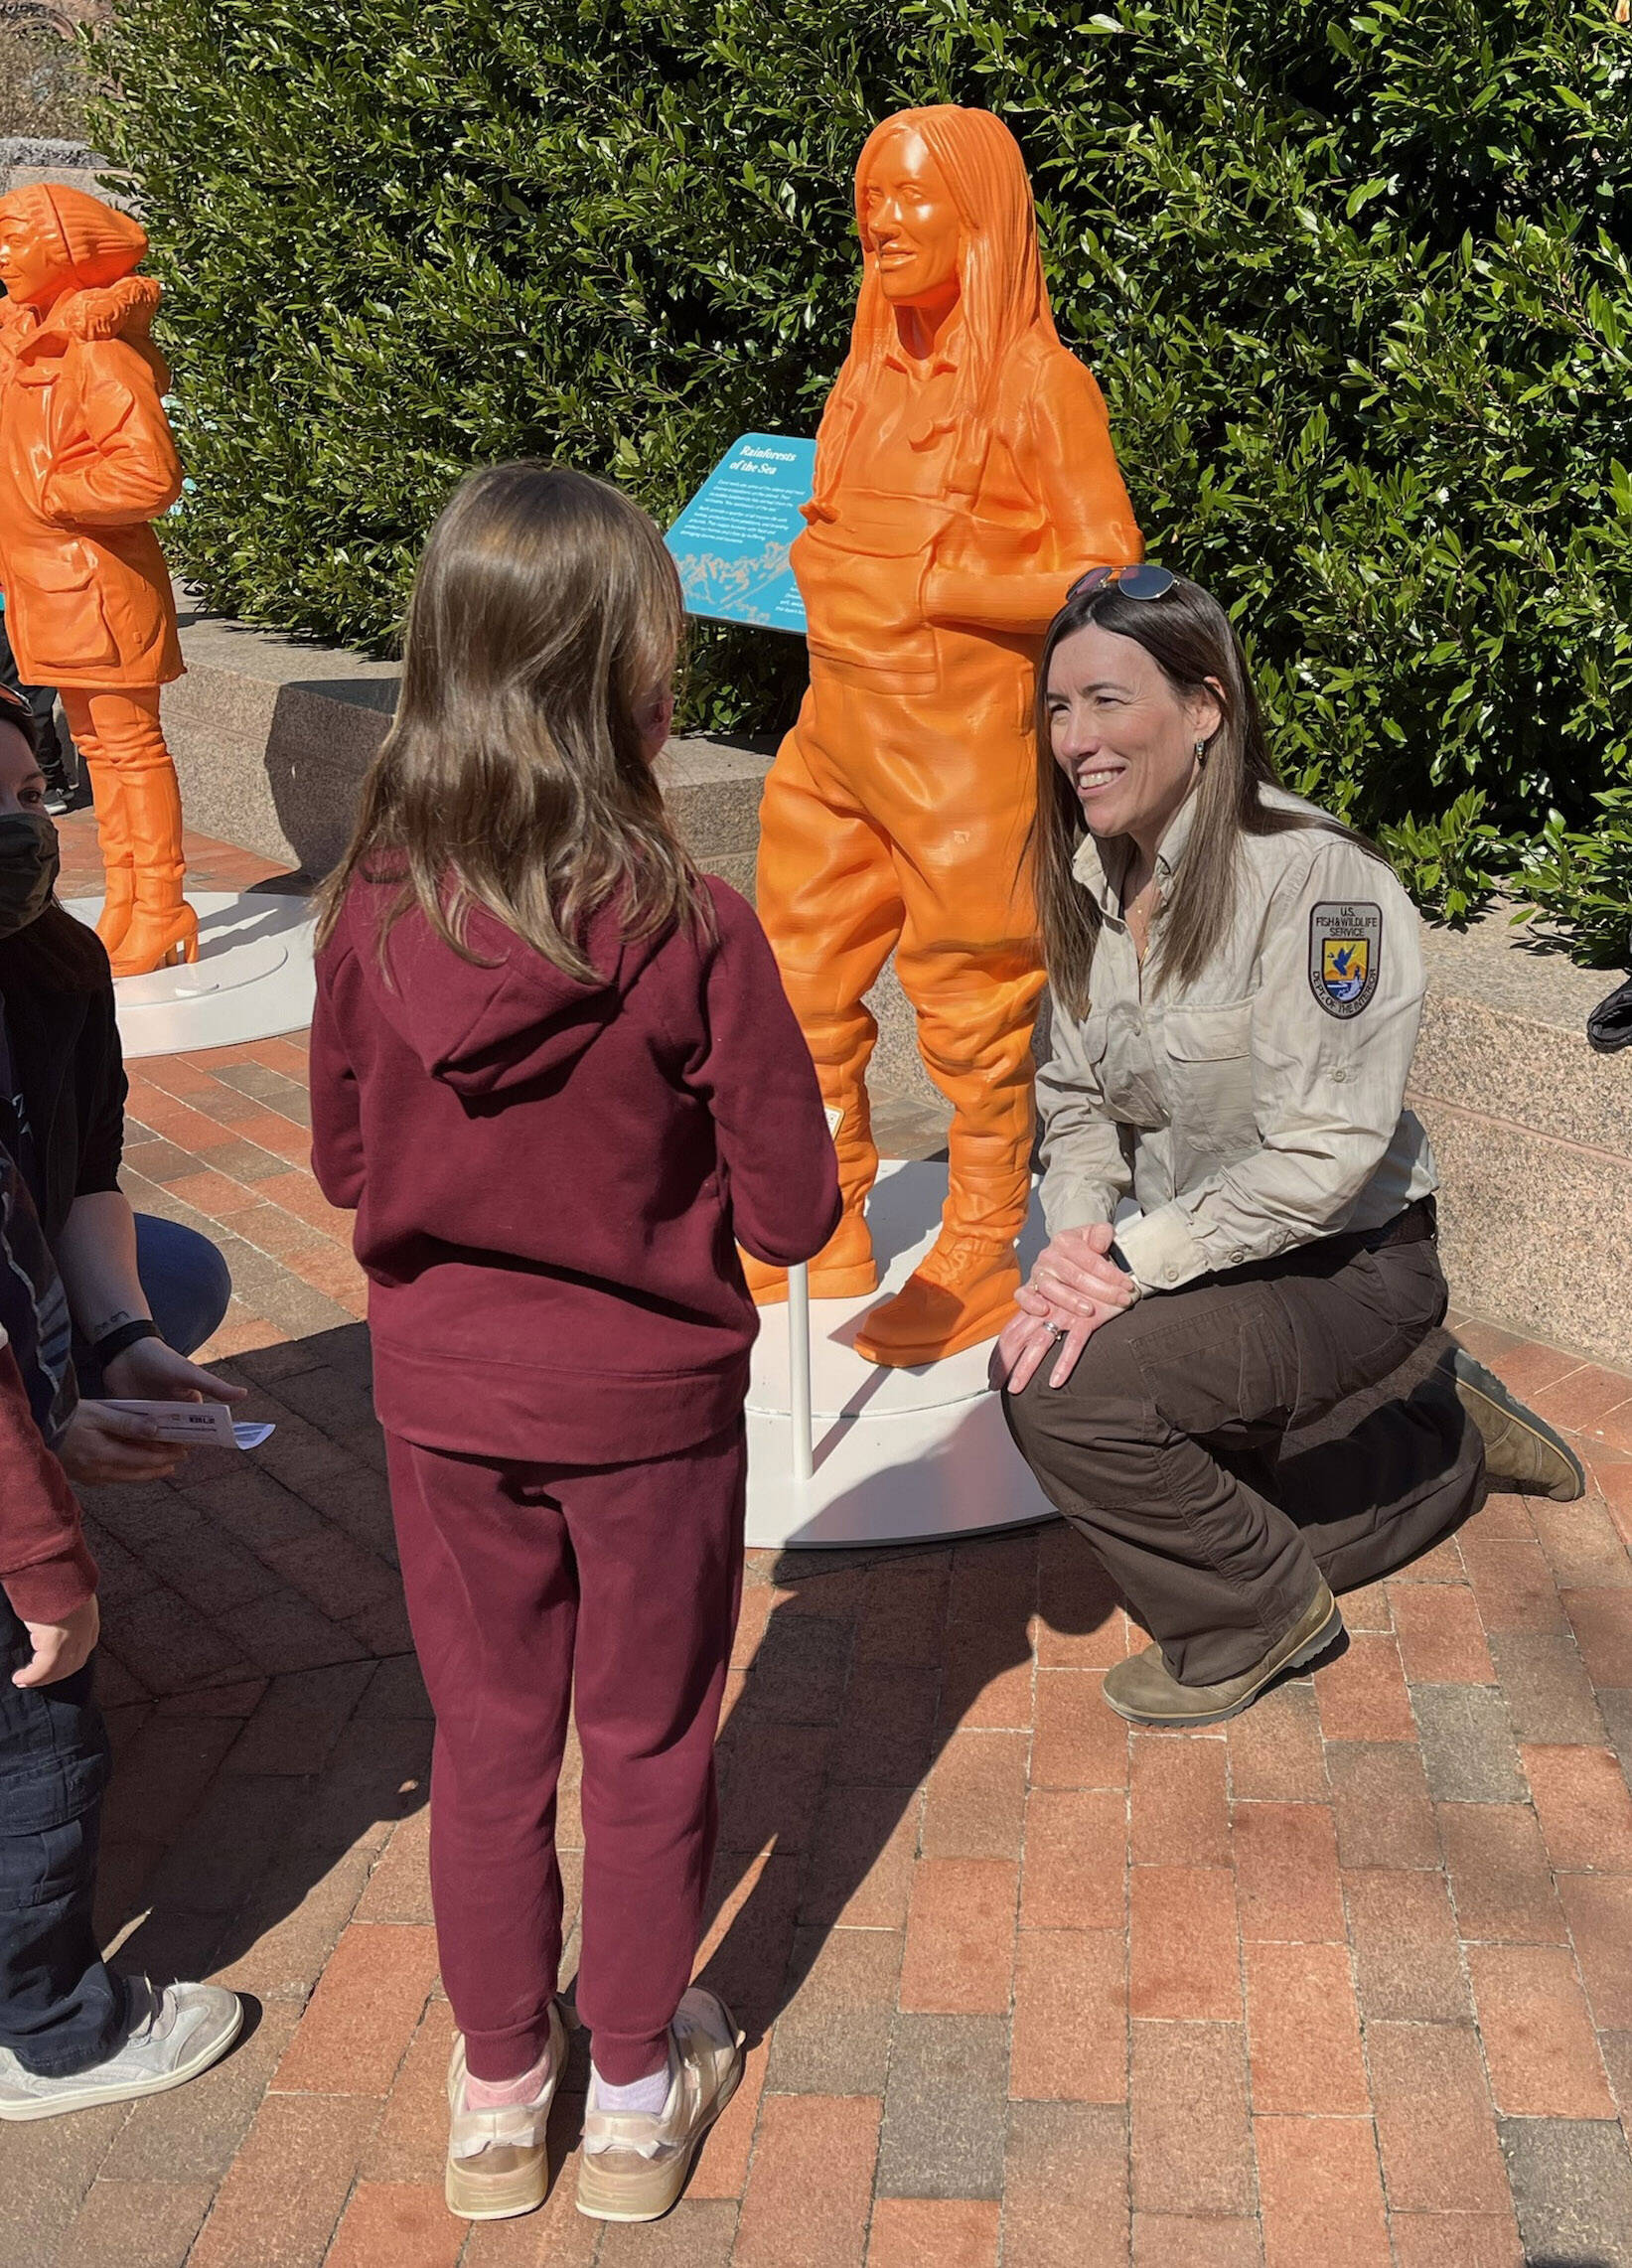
column 85, row 462
column 964, row 479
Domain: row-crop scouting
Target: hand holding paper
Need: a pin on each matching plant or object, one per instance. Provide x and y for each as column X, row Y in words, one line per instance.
column 197, row 1425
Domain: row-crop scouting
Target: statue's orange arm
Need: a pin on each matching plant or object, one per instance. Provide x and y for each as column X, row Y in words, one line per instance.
column 135, row 474
column 1073, row 466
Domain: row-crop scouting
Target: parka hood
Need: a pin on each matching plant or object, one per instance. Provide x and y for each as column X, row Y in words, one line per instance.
column 511, row 1017
column 94, row 244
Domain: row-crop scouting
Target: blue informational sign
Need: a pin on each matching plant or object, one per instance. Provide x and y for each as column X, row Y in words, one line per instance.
column 731, row 541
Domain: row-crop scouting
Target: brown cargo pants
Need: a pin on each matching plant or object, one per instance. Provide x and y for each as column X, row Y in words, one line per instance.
column 1224, row 1445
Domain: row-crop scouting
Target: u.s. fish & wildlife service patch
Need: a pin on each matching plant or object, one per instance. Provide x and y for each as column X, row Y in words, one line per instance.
column 1345, row 956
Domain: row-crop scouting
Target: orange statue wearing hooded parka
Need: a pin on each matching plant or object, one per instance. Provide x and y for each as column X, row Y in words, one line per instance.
column 965, row 478
column 86, row 460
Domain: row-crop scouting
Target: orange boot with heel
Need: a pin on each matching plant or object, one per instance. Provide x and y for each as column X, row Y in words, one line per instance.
column 163, row 929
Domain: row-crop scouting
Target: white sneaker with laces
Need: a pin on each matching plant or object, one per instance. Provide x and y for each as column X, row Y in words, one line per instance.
column 634, row 2164
column 176, row 2032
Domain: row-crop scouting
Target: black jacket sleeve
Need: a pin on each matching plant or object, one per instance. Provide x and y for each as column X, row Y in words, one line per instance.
column 102, row 1088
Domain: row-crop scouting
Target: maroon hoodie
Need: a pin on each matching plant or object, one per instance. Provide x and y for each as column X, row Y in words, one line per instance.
column 549, row 1175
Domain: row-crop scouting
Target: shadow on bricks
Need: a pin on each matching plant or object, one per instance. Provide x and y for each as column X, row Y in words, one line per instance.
column 882, row 1721
column 881, row 1715
column 269, row 1726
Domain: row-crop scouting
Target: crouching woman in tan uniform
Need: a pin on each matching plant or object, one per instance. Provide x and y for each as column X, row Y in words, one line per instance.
column 1235, row 1396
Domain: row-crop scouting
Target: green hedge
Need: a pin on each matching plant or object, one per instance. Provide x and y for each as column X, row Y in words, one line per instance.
column 1356, row 285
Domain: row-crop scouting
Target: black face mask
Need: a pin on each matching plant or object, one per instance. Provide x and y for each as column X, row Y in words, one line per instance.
column 28, row 859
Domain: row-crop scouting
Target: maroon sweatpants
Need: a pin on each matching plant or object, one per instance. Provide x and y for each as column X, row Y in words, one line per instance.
column 527, row 1585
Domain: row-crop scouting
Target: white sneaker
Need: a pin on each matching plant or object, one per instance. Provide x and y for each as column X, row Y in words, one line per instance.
column 176, row 2032
column 634, row 2164
column 498, row 2162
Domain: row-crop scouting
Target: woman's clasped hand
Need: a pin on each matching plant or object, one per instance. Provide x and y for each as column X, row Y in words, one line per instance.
column 1073, row 1289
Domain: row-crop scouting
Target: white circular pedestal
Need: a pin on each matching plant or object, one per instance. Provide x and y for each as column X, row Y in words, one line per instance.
column 901, row 1455
column 253, row 979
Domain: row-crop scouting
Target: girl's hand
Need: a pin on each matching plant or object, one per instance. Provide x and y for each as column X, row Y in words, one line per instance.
column 59, row 1648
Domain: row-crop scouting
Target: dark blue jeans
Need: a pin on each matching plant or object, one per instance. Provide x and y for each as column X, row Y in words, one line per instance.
column 187, row 1281
column 188, row 1285
column 60, row 2007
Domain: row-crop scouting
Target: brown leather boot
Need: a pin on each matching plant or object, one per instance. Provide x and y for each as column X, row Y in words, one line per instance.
column 1522, row 1452
column 1144, row 1689
column 162, row 928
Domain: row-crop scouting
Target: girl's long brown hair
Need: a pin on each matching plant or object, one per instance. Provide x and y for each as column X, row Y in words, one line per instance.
column 1189, row 636
column 546, row 618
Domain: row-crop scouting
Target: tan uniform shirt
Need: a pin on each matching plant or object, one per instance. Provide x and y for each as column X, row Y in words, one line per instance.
column 1262, row 1106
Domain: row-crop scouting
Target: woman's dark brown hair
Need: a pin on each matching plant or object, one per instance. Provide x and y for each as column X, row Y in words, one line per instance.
column 1189, row 636
column 545, row 619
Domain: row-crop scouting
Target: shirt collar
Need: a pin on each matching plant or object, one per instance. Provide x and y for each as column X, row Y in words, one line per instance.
column 1100, row 872
column 947, row 357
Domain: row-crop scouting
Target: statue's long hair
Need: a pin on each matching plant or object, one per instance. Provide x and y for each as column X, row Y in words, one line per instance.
column 1003, row 294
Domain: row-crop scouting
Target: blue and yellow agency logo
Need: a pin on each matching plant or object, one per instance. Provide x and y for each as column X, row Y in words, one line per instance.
column 1345, row 962
column 1345, row 956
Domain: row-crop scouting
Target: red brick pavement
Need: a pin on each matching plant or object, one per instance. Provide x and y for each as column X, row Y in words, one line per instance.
column 1345, row 1982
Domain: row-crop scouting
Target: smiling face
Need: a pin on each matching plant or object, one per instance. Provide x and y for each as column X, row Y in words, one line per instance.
column 916, row 229
column 1122, row 735
column 29, row 268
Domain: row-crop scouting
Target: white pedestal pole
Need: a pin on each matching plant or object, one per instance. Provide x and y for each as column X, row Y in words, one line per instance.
column 893, row 1455
column 803, row 1464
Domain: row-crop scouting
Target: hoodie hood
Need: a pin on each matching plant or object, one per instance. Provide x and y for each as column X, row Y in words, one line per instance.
column 487, row 1027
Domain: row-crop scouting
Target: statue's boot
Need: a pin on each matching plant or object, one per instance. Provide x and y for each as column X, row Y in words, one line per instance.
column 963, row 1291
column 113, row 841
column 844, row 1267
column 164, row 929
column 976, row 1043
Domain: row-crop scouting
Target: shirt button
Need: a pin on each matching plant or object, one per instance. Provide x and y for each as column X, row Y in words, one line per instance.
column 1340, row 1074
column 1238, row 1257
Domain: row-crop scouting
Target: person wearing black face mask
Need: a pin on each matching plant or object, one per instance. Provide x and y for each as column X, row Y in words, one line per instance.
column 28, row 861
column 143, row 1292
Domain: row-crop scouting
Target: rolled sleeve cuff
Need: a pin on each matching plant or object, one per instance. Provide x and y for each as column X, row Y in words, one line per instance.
column 51, row 1589
column 1161, row 1251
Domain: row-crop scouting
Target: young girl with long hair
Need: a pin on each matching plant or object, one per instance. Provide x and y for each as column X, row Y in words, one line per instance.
column 554, row 1072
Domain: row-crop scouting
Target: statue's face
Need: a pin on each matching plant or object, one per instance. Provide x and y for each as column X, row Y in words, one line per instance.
column 27, row 268
column 916, row 229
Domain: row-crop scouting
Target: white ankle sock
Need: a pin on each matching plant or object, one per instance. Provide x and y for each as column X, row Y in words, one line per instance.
column 648, row 2095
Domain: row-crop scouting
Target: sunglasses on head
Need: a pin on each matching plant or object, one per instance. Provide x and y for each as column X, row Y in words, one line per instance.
column 1146, row 580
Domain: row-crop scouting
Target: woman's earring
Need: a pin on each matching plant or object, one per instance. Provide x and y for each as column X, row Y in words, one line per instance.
column 1201, row 754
